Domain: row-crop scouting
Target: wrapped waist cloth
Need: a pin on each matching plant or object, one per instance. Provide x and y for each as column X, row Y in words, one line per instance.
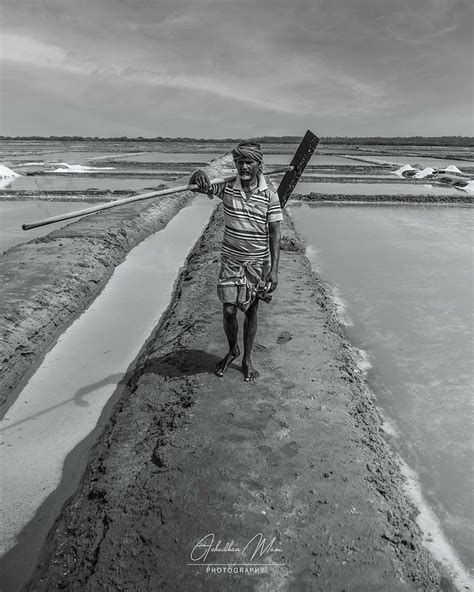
column 241, row 282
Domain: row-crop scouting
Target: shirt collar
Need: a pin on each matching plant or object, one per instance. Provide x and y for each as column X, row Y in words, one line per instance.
column 262, row 185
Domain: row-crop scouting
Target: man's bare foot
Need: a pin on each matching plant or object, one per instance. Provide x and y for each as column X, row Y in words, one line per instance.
column 249, row 371
column 221, row 367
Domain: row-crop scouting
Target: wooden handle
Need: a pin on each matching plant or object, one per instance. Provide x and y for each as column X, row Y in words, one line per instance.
column 134, row 198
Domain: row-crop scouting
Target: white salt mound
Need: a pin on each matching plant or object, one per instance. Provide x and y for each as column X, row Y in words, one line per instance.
column 452, row 169
column 469, row 188
column 424, row 173
column 401, row 170
column 6, row 173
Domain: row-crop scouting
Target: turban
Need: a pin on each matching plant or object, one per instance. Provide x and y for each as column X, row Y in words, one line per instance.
column 248, row 150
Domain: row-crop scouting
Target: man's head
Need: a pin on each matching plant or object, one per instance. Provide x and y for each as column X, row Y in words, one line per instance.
column 248, row 159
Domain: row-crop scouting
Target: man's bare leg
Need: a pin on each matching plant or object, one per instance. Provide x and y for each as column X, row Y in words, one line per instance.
column 231, row 329
column 250, row 330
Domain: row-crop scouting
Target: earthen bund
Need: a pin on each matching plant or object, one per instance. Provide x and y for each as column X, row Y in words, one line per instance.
column 299, row 456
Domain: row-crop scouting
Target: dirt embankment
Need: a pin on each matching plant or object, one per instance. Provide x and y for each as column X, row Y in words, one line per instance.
column 460, row 197
column 90, row 195
column 47, row 282
column 385, row 179
column 297, row 457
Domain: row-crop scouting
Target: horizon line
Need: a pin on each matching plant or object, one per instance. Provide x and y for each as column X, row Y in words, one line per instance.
column 284, row 137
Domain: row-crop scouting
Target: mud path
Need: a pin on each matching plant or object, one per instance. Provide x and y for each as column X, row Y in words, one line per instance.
column 408, row 198
column 298, row 457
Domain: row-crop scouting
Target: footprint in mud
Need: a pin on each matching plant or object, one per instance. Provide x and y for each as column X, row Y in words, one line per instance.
column 289, row 450
column 278, row 456
column 284, row 337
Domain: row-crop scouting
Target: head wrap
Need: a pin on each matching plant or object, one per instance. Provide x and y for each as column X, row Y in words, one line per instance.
column 248, row 150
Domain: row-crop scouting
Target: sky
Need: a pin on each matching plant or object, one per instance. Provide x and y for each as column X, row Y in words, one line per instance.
column 236, row 68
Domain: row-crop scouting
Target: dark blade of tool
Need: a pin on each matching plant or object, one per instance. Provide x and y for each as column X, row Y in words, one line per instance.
column 300, row 160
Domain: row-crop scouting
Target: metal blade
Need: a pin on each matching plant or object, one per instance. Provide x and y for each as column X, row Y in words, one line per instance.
column 300, row 160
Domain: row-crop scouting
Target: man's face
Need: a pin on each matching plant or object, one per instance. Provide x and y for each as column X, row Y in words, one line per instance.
column 247, row 168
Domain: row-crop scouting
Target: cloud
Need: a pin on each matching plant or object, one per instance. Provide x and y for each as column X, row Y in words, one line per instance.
column 432, row 20
column 35, row 53
column 263, row 60
column 293, row 93
column 23, row 49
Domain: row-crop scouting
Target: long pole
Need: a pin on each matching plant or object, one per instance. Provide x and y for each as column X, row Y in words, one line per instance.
column 134, row 198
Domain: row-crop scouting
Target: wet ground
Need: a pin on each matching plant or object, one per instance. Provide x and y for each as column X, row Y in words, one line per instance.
column 188, row 455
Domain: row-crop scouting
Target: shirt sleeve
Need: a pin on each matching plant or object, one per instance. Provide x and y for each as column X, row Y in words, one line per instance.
column 274, row 209
column 217, row 190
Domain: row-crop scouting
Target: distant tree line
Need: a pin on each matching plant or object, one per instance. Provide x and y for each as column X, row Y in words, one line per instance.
column 403, row 140
column 361, row 141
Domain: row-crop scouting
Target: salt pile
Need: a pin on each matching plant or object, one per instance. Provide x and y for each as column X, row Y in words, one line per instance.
column 404, row 171
column 449, row 175
column 468, row 188
column 453, row 169
column 407, row 170
column 6, row 173
column 424, row 173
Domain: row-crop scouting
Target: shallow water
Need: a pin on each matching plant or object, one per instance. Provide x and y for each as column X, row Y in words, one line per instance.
column 15, row 213
column 374, row 189
column 70, row 156
column 316, row 159
column 63, row 400
column 80, row 183
column 173, row 157
column 137, row 171
column 380, row 177
column 403, row 278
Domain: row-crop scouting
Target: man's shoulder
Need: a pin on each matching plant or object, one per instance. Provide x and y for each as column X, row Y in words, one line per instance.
column 274, row 197
column 273, row 193
column 268, row 193
column 229, row 187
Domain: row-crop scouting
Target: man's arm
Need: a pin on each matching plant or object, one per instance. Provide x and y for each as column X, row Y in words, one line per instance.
column 203, row 182
column 274, row 236
column 201, row 179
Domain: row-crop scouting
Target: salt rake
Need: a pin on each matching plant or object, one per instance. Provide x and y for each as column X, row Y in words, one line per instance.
column 292, row 174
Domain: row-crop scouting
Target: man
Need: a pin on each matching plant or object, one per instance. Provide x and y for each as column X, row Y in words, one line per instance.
column 250, row 249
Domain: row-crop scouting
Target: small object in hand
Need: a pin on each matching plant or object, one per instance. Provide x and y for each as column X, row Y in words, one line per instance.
column 262, row 293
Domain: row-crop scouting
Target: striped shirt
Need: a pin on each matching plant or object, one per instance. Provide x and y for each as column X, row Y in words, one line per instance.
column 246, row 219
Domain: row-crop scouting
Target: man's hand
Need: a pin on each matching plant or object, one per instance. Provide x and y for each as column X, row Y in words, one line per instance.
column 201, row 179
column 272, row 279
column 274, row 242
